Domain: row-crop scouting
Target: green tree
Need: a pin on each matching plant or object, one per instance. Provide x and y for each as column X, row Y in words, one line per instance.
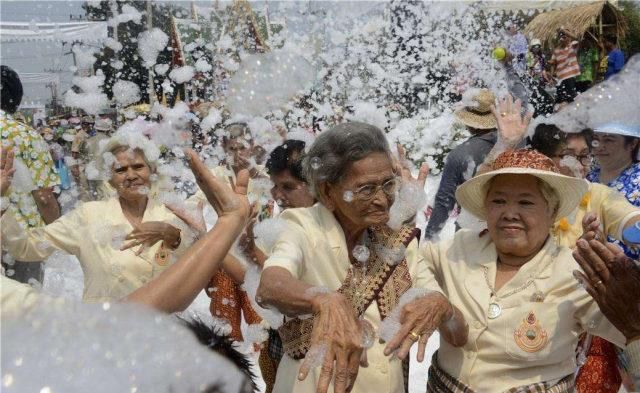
column 631, row 12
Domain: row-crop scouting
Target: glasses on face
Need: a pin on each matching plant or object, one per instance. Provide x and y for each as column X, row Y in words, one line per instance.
column 584, row 159
column 369, row 191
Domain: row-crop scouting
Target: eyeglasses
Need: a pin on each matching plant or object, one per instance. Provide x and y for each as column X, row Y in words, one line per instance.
column 585, row 160
column 369, row 191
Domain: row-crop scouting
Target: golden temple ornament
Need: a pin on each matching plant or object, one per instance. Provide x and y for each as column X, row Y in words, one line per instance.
column 530, row 336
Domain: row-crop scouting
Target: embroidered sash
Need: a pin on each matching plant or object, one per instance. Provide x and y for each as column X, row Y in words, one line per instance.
column 385, row 281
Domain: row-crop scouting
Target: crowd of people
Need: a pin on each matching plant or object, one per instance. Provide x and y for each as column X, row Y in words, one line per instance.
column 348, row 283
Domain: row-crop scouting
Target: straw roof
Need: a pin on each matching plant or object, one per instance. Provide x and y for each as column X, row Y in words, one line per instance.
column 577, row 19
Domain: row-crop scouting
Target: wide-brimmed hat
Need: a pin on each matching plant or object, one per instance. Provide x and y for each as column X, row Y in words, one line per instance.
column 103, row 124
column 479, row 115
column 570, row 190
column 619, row 129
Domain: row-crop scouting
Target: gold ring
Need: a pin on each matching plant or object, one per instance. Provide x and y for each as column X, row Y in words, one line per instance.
column 503, row 114
column 414, row 336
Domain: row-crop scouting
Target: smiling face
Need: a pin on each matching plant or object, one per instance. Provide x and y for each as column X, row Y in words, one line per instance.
column 518, row 216
column 130, row 174
column 574, row 158
column 289, row 191
column 360, row 211
column 611, row 151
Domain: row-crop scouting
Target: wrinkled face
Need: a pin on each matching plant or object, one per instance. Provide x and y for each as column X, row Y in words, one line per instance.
column 130, row 174
column 238, row 152
column 360, row 196
column 518, row 217
column 610, row 150
column 575, row 158
column 288, row 191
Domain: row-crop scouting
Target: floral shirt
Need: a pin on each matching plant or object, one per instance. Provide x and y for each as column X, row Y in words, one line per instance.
column 33, row 151
column 628, row 184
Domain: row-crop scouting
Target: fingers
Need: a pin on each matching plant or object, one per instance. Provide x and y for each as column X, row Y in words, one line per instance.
column 353, row 368
column 141, row 249
column 326, row 373
column 242, row 182
column 341, row 379
column 584, row 280
column 404, row 349
column 592, row 263
column 131, row 245
column 422, row 347
column 364, row 359
column 401, row 152
column 423, row 173
column 527, row 119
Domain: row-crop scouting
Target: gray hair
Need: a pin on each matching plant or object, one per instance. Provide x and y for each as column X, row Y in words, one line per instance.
column 334, row 150
column 551, row 196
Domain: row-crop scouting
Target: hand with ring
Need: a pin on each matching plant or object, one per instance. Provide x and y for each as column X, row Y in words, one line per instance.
column 512, row 126
column 419, row 319
column 613, row 280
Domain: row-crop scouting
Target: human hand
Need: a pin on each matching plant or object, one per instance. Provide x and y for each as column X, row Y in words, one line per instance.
column 247, row 243
column 591, row 228
column 225, row 201
column 403, row 168
column 149, row 233
column 6, row 170
column 419, row 319
column 194, row 221
column 512, row 126
column 337, row 329
column 613, row 280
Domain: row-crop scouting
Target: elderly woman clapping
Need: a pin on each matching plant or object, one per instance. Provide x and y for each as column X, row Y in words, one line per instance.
column 96, row 232
column 512, row 284
column 339, row 262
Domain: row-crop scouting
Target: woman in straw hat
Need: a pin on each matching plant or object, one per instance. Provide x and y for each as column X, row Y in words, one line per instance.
column 511, row 283
column 463, row 160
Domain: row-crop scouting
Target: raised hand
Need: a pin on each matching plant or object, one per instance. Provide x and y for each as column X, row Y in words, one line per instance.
column 512, row 126
column 613, row 280
column 225, row 201
column 6, row 170
column 403, row 168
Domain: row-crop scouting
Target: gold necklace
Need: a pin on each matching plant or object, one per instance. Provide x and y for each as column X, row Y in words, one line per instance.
column 495, row 309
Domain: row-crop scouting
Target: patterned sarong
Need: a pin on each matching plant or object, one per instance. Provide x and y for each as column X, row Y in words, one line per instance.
column 441, row 382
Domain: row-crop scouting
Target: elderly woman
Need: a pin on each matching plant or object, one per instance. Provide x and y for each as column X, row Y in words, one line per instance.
column 512, row 284
column 330, row 263
column 96, row 232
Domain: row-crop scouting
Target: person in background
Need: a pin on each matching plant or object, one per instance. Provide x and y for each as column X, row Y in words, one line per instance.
column 290, row 190
column 37, row 205
column 518, row 46
column 588, row 60
column 121, row 242
column 597, row 358
column 565, row 68
column 615, row 57
column 615, row 147
column 462, row 162
column 84, row 150
column 537, row 63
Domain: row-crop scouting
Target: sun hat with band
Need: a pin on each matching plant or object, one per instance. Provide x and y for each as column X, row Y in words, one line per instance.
column 472, row 193
column 477, row 114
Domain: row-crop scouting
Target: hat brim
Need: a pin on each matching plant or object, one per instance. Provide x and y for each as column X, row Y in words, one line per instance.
column 482, row 122
column 472, row 193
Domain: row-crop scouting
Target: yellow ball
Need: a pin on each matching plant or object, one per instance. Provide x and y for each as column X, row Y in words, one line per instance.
column 499, row 53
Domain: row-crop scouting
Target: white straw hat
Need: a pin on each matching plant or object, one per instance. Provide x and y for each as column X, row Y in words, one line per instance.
column 570, row 190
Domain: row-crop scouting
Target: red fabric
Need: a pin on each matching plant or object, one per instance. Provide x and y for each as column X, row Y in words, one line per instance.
column 600, row 373
column 230, row 302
